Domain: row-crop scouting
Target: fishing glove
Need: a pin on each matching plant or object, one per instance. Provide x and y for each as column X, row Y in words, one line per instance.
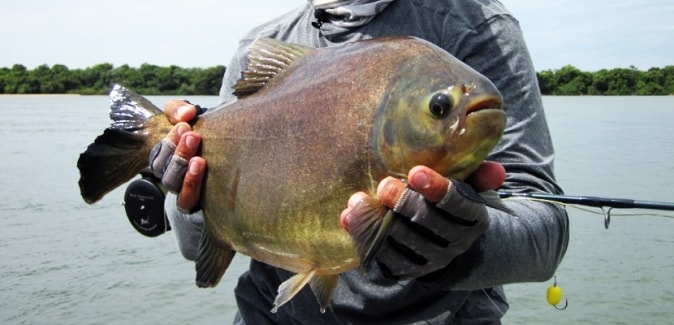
column 167, row 166
column 426, row 237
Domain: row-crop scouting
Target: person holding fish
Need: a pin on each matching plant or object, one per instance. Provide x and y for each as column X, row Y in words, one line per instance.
column 447, row 250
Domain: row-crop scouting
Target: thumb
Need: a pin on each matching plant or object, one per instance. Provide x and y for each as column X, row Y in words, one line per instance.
column 429, row 183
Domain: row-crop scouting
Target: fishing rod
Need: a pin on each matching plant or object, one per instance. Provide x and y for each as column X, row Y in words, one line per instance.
column 593, row 201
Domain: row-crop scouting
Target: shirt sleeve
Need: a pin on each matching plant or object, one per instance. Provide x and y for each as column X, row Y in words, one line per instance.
column 186, row 227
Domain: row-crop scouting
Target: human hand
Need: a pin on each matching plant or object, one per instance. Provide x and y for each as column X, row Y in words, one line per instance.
column 436, row 219
column 173, row 160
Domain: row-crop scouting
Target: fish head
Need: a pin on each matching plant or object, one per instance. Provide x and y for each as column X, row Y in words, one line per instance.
column 440, row 113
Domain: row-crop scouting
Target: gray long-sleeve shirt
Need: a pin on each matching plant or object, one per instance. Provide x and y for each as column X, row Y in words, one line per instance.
column 526, row 246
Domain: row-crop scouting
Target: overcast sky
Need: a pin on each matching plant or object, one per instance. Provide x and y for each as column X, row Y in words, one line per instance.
column 589, row 34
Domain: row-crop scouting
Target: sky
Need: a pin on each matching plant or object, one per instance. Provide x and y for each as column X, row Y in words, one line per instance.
column 589, row 34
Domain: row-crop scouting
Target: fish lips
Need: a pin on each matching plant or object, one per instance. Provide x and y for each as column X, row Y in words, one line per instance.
column 485, row 119
column 488, row 104
column 487, row 110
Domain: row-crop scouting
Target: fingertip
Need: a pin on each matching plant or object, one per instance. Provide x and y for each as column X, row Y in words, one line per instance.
column 188, row 144
column 192, row 140
column 490, row 175
column 186, row 113
column 428, row 183
column 197, row 166
column 356, row 198
column 344, row 218
column 419, row 178
column 390, row 190
column 182, row 128
column 178, row 110
column 190, row 192
column 177, row 131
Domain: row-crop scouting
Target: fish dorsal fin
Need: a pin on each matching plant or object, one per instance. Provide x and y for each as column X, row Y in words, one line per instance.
column 266, row 58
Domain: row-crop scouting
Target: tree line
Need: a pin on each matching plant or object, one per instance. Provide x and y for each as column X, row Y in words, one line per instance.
column 150, row 79
column 570, row 80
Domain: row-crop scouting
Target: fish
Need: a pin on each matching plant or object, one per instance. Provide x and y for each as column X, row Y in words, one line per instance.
column 310, row 127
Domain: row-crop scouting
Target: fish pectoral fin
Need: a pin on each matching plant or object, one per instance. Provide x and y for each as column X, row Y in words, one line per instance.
column 323, row 287
column 212, row 261
column 369, row 226
column 289, row 288
column 266, row 58
column 492, row 200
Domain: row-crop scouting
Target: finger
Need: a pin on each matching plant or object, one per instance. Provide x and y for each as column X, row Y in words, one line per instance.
column 178, row 110
column 177, row 132
column 162, row 153
column 188, row 144
column 174, row 173
column 389, row 191
column 430, row 184
column 354, row 200
column 357, row 198
column 189, row 195
column 489, row 176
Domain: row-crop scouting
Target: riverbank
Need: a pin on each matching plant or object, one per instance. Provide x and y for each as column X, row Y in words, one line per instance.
column 38, row 95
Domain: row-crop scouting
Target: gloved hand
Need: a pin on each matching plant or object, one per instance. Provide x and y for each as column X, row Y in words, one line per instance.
column 436, row 219
column 173, row 160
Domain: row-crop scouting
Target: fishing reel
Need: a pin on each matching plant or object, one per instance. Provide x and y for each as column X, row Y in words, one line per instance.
column 144, row 205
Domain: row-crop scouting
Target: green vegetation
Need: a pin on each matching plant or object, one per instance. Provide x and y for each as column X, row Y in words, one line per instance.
column 147, row 79
column 570, row 80
column 150, row 79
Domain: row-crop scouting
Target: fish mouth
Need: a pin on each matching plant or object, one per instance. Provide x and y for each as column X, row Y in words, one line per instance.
column 485, row 104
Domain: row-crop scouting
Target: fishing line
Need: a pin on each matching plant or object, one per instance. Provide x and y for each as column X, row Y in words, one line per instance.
column 493, row 302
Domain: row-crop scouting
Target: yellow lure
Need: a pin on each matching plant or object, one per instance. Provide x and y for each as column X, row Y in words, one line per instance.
column 554, row 296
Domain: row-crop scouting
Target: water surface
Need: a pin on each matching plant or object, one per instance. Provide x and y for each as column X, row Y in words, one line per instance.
column 67, row 262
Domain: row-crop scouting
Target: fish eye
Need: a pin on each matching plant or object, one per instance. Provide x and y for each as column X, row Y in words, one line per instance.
column 440, row 105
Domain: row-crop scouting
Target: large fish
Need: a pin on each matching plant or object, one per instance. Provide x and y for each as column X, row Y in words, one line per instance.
column 310, row 128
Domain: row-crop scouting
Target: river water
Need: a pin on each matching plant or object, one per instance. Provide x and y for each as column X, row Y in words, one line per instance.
column 67, row 262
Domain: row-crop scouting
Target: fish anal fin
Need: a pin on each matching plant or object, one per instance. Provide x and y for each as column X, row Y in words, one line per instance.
column 212, row 261
column 289, row 288
column 369, row 225
column 323, row 287
column 267, row 57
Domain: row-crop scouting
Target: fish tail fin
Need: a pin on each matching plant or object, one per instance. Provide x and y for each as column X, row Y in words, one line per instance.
column 122, row 151
column 369, row 226
column 212, row 261
column 289, row 288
